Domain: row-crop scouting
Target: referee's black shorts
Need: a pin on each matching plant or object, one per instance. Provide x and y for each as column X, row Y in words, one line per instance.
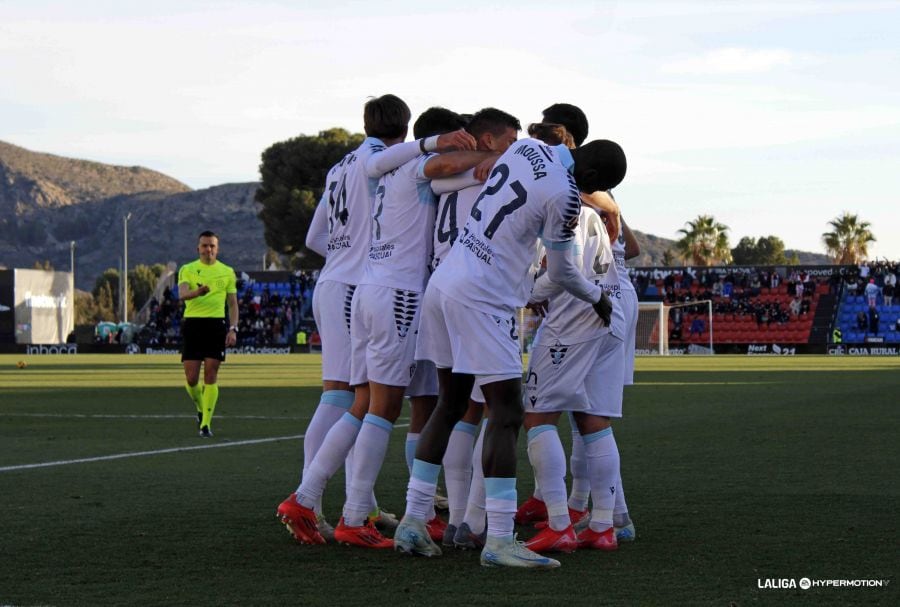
column 203, row 338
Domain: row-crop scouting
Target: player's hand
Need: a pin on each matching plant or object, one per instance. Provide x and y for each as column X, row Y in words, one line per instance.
column 457, row 140
column 539, row 307
column 230, row 339
column 603, row 308
column 202, row 290
column 483, row 169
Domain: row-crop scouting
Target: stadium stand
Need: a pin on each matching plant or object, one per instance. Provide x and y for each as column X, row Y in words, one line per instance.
column 272, row 311
column 750, row 305
column 854, row 317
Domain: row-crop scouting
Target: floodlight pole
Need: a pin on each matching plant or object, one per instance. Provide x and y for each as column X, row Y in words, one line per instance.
column 72, row 261
column 125, row 269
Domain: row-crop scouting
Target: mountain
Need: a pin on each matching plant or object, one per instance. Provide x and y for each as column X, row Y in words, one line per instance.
column 36, row 180
column 48, row 201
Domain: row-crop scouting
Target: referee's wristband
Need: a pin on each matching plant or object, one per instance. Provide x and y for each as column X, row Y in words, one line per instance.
column 233, row 328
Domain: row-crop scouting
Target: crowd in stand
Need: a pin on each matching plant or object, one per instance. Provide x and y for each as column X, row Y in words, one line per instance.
column 734, row 292
column 882, row 274
column 875, row 284
column 267, row 317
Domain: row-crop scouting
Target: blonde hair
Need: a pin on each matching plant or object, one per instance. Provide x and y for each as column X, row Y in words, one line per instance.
column 551, row 134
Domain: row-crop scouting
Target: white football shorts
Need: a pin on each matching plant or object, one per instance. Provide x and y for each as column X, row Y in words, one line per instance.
column 630, row 307
column 383, row 326
column 586, row 377
column 466, row 340
column 425, row 382
column 331, row 309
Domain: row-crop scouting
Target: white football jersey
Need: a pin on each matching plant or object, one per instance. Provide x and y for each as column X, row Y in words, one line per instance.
column 529, row 195
column 402, row 220
column 350, row 194
column 452, row 213
column 569, row 319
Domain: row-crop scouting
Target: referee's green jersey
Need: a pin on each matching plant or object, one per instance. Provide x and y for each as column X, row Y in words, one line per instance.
column 218, row 277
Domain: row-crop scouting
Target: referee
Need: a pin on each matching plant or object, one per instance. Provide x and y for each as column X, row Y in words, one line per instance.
column 205, row 285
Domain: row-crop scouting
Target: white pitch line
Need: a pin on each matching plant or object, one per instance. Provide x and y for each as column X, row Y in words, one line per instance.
column 146, row 416
column 104, row 458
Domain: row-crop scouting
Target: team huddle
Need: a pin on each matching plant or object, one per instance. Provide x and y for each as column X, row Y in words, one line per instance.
column 431, row 247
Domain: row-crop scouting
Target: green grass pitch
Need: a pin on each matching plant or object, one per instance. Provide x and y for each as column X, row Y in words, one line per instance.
column 736, row 470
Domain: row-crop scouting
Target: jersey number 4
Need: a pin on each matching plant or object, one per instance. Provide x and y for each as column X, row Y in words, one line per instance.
column 443, row 231
column 521, row 197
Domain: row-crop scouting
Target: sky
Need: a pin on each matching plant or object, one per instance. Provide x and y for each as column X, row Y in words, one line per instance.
column 774, row 117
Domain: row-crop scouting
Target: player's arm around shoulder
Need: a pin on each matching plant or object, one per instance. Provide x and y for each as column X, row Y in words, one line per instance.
column 608, row 210
column 453, row 163
column 632, row 246
column 399, row 154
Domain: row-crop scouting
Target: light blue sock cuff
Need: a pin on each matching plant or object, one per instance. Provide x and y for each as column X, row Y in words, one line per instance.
column 533, row 433
column 426, row 472
column 348, row 418
column 590, row 438
column 338, row 398
column 466, row 427
column 379, row 422
column 500, row 488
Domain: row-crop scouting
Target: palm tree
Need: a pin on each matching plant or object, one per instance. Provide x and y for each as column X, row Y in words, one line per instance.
column 848, row 242
column 668, row 258
column 705, row 242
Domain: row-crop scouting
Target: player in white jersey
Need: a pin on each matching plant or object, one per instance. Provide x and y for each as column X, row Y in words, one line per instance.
column 383, row 345
column 576, row 365
column 468, row 324
column 625, row 247
column 347, row 205
column 574, row 128
column 494, row 131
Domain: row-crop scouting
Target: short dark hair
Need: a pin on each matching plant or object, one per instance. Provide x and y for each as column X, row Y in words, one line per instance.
column 386, row 117
column 599, row 165
column 208, row 234
column 571, row 117
column 437, row 121
column 491, row 120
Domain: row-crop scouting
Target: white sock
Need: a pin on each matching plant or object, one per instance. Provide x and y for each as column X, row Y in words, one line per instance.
column 547, row 457
column 348, row 466
column 421, row 489
column 369, row 450
column 332, row 405
column 603, row 467
column 458, row 469
column 412, row 440
column 620, row 512
column 581, row 482
column 328, row 460
column 500, row 503
column 475, row 514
